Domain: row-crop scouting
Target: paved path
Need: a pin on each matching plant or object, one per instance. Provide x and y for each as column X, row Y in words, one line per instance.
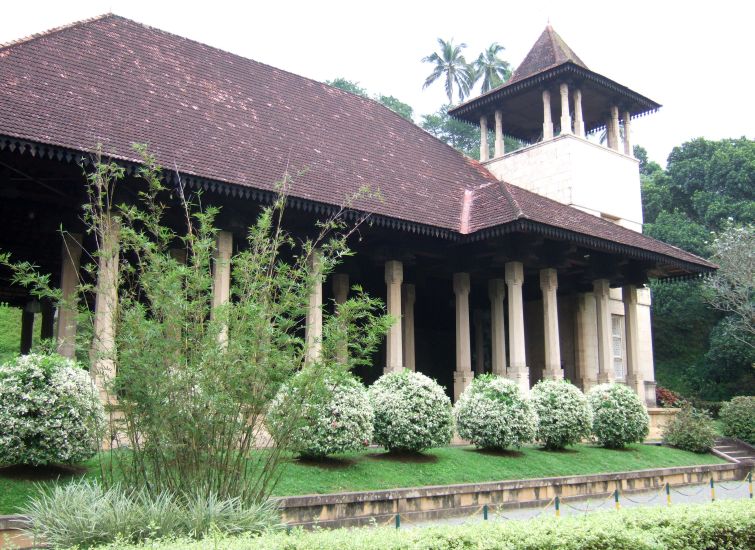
column 687, row 494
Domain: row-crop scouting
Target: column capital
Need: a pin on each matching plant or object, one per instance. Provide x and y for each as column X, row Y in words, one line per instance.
column 514, row 273
column 461, row 283
column 601, row 286
column 548, row 279
column 496, row 289
column 629, row 294
column 394, row 272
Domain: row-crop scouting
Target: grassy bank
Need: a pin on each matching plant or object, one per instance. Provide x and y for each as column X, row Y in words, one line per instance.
column 375, row 469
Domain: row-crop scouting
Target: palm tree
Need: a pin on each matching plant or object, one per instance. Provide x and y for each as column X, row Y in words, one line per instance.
column 493, row 70
column 450, row 62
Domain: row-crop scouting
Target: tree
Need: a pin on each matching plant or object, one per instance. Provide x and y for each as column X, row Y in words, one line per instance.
column 393, row 103
column 347, row 86
column 647, row 167
column 449, row 63
column 493, row 70
column 732, row 288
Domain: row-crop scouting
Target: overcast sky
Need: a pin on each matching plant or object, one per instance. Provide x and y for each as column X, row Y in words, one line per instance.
column 695, row 58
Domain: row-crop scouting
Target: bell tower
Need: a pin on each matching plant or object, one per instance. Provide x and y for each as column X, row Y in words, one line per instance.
column 552, row 103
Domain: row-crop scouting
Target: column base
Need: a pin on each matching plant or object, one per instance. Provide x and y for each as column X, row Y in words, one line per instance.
column 462, row 379
column 521, row 375
column 553, row 374
column 650, row 399
column 605, row 378
column 393, row 368
column 638, row 385
column 588, row 384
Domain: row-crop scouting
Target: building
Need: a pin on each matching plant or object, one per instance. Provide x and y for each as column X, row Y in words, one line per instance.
column 528, row 264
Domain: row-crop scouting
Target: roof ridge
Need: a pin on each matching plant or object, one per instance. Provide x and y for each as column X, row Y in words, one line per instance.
column 54, row 30
column 512, row 201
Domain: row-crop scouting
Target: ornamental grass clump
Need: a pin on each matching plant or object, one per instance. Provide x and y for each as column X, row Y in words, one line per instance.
column 563, row 413
column 492, row 413
column 618, row 416
column 50, row 412
column 412, row 412
column 738, row 418
column 691, row 429
column 336, row 419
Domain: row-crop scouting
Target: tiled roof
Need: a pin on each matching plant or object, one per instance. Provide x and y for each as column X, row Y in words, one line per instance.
column 222, row 117
column 549, row 51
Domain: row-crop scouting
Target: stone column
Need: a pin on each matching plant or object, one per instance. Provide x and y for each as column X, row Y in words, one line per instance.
column 102, row 353
column 341, row 294
column 549, row 287
column 586, row 341
column 69, row 280
column 499, row 147
column 496, row 293
column 479, row 344
column 518, row 370
column 409, row 297
column 463, row 374
column 628, row 134
column 484, row 152
column 394, row 276
column 27, row 328
column 221, row 277
column 47, row 329
column 313, row 323
column 601, row 289
column 631, row 328
column 579, row 123
column 613, row 142
column 565, row 113
column 547, row 120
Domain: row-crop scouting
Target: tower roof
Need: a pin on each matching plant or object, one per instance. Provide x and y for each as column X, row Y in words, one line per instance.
column 549, row 51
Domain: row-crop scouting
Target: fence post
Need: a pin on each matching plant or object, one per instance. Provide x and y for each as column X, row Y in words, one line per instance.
column 616, row 499
column 558, row 507
column 712, row 489
column 485, row 512
column 398, row 521
column 668, row 494
column 749, row 479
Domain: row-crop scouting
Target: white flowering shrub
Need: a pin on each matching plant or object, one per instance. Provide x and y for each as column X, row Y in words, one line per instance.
column 336, row 419
column 49, row 411
column 412, row 412
column 618, row 415
column 564, row 415
column 492, row 413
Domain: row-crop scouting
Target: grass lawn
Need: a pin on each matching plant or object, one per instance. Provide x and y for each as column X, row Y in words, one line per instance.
column 376, row 469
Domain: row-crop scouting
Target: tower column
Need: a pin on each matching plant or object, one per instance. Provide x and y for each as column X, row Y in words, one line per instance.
column 586, row 341
column 632, row 329
column 628, row 134
column 221, row 276
column 579, row 123
column 69, row 279
column 547, row 120
column 496, row 293
column 408, row 295
column 499, row 147
column 463, row 374
column 394, row 276
column 549, row 287
column 484, row 152
column 613, row 129
column 479, row 344
column 340, row 284
column 518, row 370
column 601, row 289
column 565, row 113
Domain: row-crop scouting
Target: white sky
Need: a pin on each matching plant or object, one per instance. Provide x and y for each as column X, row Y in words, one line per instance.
column 695, row 58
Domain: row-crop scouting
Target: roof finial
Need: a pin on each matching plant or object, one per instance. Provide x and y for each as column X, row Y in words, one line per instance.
column 549, row 22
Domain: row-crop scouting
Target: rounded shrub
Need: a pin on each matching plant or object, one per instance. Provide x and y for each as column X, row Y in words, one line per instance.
column 335, row 417
column 50, row 411
column 738, row 418
column 492, row 413
column 563, row 413
column 691, row 430
column 412, row 412
column 618, row 415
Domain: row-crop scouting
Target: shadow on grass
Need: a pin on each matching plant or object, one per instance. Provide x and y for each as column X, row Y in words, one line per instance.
column 412, row 458
column 50, row 472
column 566, row 451
column 505, row 453
column 327, row 463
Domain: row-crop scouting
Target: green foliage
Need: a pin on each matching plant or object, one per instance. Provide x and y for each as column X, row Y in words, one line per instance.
column 49, row 410
column 493, row 70
column 492, row 413
column 347, row 86
column 449, row 65
column 691, row 430
column 412, row 412
column 738, row 418
column 678, row 229
column 619, row 416
column 564, row 415
column 724, row 525
column 10, row 332
column 86, row 514
column 393, row 103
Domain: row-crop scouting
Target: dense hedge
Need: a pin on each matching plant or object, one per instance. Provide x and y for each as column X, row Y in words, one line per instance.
column 724, row 525
column 738, row 418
